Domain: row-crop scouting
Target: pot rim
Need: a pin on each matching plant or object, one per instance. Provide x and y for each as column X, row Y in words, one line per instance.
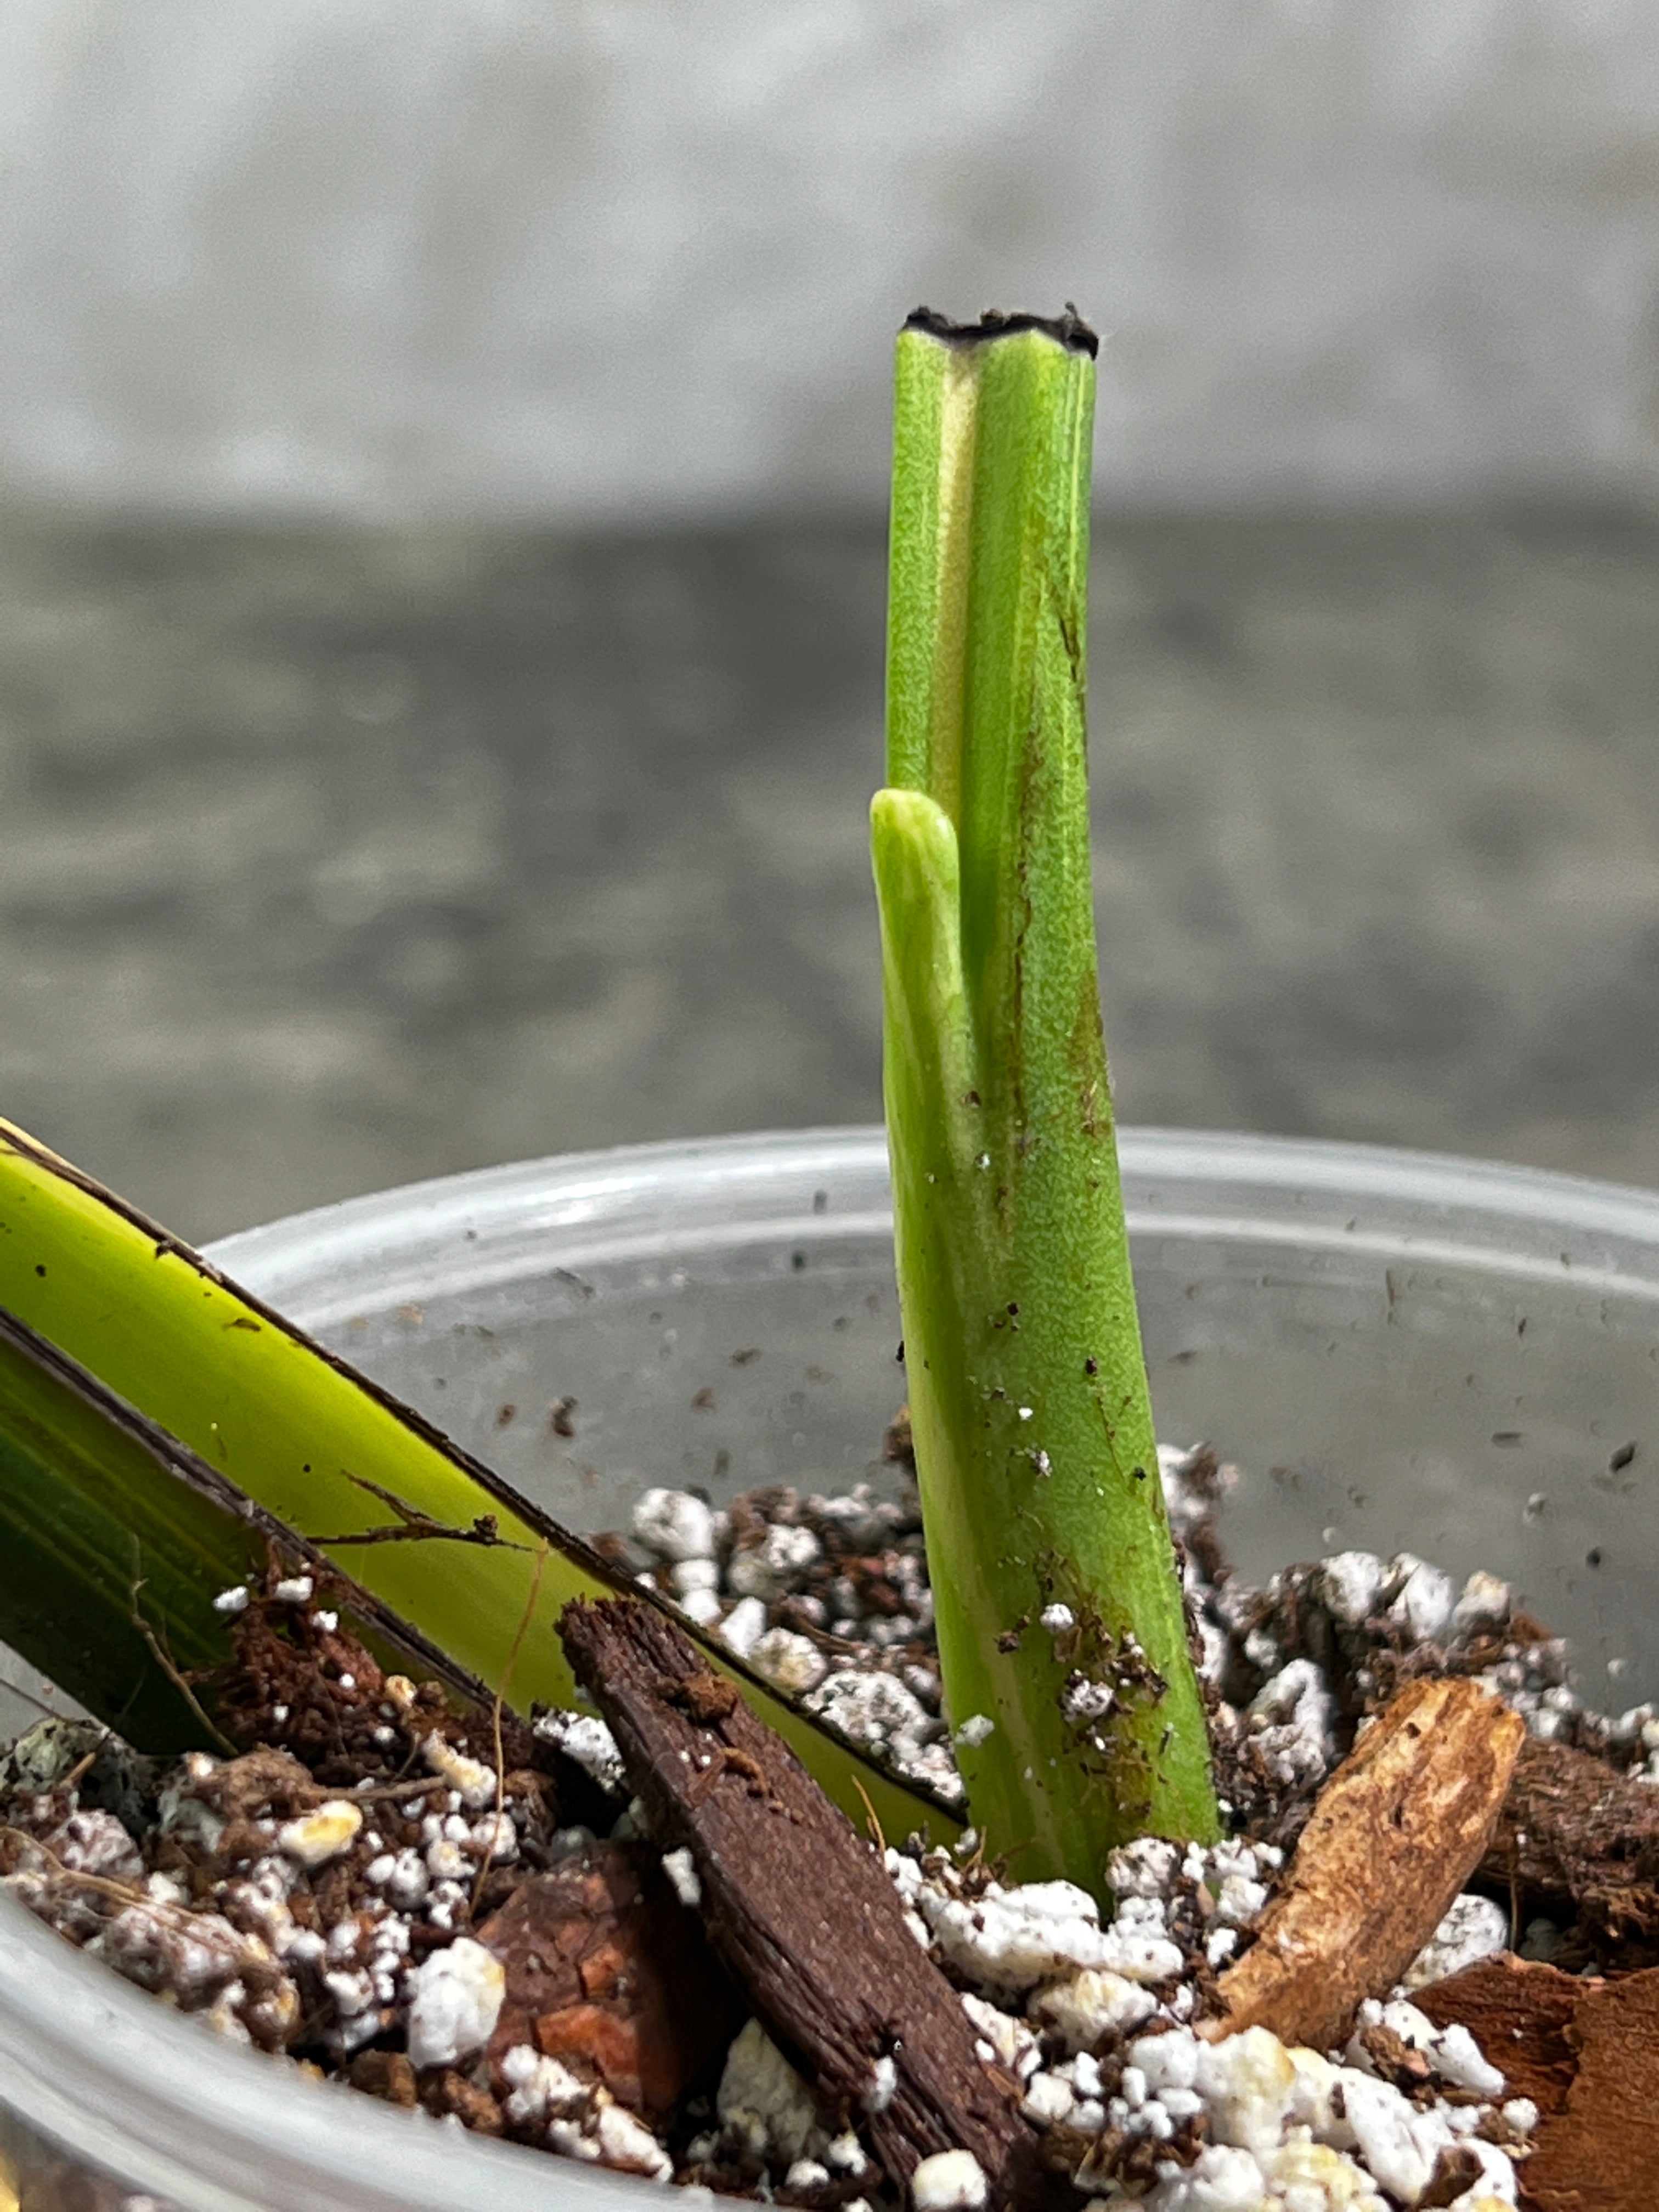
column 1435, row 1208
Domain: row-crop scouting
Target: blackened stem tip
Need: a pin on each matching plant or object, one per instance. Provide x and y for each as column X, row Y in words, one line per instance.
column 1067, row 329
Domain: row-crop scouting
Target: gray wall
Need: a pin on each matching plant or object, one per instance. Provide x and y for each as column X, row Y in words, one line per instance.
column 331, row 857
column 386, row 257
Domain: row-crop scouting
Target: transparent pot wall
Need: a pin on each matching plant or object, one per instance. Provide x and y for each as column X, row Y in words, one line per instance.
column 1398, row 1351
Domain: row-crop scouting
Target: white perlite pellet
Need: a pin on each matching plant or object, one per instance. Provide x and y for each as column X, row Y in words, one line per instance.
column 674, row 1524
column 1092, row 2004
column 585, row 1738
column 1457, row 2057
column 744, row 1627
column 1474, row 1929
column 1398, row 2143
column 627, row 2143
column 1223, row 2180
column 455, row 2000
column 949, row 2181
column 1349, row 1585
column 789, row 1662
column 1295, row 1710
column 882, row 2087
column 880, row 1714
column 682, row 1876
column 315, row 1837
column 470, row 1777
column 876, row 1709
column 1047, row 2100
column 1423, row 1600
column 1143, row 1869
column 1010, row 1939
column 688, row 1575
column 764, row 1571
column 539, row 2086
column 1486, row 1602
column 844, row 2154
column 1451, row 2052
column 762, row 2099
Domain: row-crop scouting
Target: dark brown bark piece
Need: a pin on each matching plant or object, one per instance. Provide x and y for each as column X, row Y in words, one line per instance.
column 449, row 2094
column 1573, row 1829
column 1395, row 2061
column 799, row 1906
column 1519, row 2013
column 385, row 2074
column 1570, row 1824
column 1599, row 2153
column 1455, row 2171
column 1396, row 1832
column 607, row 1972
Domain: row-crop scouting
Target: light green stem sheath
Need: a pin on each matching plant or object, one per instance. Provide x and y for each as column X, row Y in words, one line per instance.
column 1028, row 1387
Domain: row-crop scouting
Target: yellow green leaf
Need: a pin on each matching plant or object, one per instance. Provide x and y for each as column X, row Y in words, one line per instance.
column 337, row 1460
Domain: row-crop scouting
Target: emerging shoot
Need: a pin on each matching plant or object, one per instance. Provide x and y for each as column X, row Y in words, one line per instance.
column 1079, row 1719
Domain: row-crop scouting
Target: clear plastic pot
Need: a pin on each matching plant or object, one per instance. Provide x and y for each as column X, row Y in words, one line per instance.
column 1401, row 1352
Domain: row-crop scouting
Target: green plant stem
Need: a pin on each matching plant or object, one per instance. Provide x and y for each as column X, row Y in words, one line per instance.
column 1028, row 1389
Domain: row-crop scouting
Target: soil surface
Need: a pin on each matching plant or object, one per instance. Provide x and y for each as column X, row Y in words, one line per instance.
column 522, row 1928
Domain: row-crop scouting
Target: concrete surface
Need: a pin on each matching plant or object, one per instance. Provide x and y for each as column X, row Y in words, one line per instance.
column 378, row 258
column 329, row 861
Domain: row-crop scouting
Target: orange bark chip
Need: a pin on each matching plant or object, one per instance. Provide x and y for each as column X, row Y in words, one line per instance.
column 1521, row 2015
column 1600, row 2152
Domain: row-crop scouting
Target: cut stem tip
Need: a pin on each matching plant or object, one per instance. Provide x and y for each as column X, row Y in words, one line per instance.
column 1067, row 329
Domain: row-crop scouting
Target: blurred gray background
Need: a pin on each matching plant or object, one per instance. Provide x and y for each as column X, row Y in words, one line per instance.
column 441, row 577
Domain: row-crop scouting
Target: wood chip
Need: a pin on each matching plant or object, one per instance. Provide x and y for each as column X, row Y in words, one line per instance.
column 607, row 1972
column 1519, row 2013
column 1396, row 1832
column 801, row 1907
column 1599, row 2153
